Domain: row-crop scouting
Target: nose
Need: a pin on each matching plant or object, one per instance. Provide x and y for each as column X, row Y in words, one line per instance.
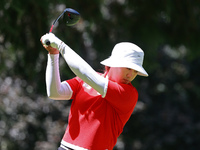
column 131, row 73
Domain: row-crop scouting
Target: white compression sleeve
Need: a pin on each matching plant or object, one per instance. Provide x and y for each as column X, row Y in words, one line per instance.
column 55, row 89
column 83, row 70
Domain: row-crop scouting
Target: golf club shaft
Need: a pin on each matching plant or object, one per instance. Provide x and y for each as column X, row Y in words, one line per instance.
column 48, row 42
column 56, row 21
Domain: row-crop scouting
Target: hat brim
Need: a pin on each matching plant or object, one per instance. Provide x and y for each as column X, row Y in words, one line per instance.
column 118, row 63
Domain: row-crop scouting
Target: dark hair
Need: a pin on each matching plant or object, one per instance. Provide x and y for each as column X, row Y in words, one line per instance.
column 107, row 69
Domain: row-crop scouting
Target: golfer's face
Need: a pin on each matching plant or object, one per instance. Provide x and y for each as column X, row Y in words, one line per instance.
column 122, row 75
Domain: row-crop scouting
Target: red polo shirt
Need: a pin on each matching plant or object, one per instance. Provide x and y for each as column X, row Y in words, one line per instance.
column 95, row 122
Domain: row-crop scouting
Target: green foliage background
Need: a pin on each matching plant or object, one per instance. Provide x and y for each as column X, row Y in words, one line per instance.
column 167, row 113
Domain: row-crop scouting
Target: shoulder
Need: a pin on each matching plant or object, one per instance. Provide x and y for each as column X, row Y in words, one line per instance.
column 121, row 88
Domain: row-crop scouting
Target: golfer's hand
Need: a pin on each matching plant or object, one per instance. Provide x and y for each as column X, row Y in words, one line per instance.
column 50, row 41
column 51, row 50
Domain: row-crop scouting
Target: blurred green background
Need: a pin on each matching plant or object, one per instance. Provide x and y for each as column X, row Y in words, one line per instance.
column 167, row 115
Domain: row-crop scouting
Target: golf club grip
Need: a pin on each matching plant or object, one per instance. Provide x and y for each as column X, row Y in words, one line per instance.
column 51, row 28
column 48, row 43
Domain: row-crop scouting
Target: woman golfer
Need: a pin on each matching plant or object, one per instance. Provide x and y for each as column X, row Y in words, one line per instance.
column 102, row 103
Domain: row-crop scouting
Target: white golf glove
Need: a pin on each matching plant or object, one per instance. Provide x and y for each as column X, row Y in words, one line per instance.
column 50, row 39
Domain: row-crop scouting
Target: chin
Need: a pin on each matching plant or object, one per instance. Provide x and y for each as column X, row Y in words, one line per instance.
column 125, row 81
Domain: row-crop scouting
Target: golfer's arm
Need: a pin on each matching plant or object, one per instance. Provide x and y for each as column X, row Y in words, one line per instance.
column 83, row 70
column 55, row 89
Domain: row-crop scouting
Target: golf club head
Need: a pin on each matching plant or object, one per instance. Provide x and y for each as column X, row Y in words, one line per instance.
column 71, row 16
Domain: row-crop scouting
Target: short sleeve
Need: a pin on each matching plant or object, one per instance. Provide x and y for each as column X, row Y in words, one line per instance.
column 75, row 84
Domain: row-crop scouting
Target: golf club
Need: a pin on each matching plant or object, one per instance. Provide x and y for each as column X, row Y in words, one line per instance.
column 71, row 17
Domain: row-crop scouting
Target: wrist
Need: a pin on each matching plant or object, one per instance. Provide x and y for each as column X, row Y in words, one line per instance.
column 53, row 53
column 52, row 50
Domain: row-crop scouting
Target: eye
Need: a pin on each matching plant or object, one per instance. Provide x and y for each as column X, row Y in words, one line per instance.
column 128, row 68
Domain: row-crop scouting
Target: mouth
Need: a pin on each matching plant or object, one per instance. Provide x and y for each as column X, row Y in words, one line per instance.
column 125, row 81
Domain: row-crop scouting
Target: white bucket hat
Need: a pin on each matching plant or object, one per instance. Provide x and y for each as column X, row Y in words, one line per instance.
column 127, row 55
